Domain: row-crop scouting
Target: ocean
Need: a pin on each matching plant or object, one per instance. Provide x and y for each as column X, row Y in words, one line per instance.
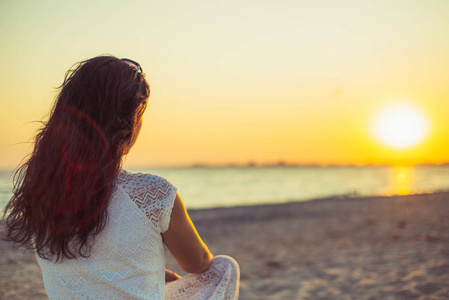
column 207, row 187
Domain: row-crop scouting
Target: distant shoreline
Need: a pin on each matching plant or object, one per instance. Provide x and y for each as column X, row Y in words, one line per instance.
column 325, row 199
column 271, row 165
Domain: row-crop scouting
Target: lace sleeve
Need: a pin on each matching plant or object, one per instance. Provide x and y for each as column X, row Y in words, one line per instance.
column 169, row 195
column 154, row 196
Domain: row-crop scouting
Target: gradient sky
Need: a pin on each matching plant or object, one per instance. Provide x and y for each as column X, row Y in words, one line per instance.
column 239, row 81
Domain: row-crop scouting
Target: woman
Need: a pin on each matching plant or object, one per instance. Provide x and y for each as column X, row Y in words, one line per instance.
column 99, row 231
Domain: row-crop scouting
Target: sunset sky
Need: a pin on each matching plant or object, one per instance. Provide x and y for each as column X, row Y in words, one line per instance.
column 240, row 81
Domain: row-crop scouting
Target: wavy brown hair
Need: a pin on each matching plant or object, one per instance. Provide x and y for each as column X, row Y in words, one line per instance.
column 61, row 191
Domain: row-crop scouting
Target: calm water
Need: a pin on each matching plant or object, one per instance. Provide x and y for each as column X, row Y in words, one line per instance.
column 215, row 187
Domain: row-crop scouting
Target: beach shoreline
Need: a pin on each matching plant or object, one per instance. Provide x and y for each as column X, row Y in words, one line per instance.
column 336, row 248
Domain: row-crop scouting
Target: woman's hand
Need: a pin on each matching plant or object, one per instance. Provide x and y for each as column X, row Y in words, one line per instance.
column 171, row 276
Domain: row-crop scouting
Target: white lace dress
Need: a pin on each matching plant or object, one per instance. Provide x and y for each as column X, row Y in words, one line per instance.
column 128, row 257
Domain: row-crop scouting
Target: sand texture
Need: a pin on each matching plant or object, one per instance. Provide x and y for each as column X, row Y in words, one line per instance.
column 369, row 248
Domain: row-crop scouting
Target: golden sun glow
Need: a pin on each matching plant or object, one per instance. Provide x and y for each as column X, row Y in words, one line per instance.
column 400, row 126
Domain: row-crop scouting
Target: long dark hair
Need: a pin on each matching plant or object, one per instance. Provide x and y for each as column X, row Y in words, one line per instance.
column 61, row 192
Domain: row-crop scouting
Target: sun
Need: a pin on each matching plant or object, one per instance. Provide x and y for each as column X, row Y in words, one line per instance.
column 400, row 125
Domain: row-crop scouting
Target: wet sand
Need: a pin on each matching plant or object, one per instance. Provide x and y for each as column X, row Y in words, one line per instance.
column 365, row 248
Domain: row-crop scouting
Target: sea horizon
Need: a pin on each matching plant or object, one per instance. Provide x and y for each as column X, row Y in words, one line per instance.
column 270, row 184
column 247, row 185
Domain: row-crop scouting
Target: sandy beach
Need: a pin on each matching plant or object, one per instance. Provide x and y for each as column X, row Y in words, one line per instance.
column 364, row 248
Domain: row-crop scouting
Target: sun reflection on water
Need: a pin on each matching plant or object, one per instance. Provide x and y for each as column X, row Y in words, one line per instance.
column 400, row 180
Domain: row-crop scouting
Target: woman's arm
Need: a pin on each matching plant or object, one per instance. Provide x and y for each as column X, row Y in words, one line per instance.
column 183, row 241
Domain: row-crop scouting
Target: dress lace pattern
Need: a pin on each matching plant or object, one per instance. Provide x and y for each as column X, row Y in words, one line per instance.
column 150, row 194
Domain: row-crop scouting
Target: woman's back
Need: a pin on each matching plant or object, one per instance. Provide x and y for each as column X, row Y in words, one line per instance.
column 127, row 259
column 99, row 232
